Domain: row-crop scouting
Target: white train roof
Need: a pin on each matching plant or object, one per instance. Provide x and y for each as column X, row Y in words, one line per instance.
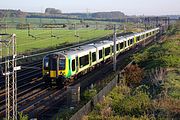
column 81, row 50
column 101, row 44
column 121, row 39
column 85, row 49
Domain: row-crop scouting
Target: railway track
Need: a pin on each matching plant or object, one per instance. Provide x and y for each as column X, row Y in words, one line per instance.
column 34, row 98
column 28, row 80
column 85, row 81
column 29, row 83
column 26, row 71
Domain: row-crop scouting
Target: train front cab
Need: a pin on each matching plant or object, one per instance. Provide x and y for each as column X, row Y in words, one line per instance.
column 54, row 69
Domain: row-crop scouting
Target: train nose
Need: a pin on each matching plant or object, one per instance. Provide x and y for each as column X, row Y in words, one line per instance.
column 52, row 74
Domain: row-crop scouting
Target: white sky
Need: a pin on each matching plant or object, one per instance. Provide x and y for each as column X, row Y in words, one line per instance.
column 129, row 7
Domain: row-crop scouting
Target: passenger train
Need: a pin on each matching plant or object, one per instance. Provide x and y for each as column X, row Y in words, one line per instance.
column 65, row 66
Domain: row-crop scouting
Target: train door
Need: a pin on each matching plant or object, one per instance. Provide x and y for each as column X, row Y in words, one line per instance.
column 57, row 68
column 73, row 66
column 54, row 66
column 90, row 58
column 103, row 53
column 112, row 49
column 77, row 68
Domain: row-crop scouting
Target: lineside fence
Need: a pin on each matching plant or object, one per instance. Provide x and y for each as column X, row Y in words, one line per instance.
column 97, row 98
column 105, row 91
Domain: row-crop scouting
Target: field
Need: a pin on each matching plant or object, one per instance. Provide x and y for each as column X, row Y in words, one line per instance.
column 41, row 38
column 38, row 21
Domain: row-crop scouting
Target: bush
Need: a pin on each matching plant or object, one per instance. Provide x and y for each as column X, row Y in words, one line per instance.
column 160, row 55
column 167, row 108
column 88, row 94
column 139, row 57
column 22, row 117
column 133, row 75
column 171, row 31
column 135, row 105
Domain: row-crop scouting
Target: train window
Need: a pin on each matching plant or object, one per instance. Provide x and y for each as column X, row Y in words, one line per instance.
column 142, row 36
column 53, row 62
column 112, row 48
column 107, row 51
column 125, row 44
column 1, row 70
column 146, row 34
column 117, row 47
column 128, row 42
column 100, row 54
column 46, row 63
column 93, row 56
column 131, row 41
column 121, row 45
column 84, row 60
column 62, row 63
column 73, row 65
column 69, row 64
column 138, row 38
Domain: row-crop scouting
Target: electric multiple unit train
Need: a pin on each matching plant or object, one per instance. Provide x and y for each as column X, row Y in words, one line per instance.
column 67, row 65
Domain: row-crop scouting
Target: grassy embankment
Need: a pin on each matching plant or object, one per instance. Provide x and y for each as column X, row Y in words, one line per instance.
column 157, row 95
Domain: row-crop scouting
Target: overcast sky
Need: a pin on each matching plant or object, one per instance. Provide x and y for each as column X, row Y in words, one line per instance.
column 129, row 7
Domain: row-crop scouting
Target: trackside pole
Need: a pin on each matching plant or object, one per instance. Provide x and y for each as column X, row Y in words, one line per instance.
column 8, row 46
column 114, row 49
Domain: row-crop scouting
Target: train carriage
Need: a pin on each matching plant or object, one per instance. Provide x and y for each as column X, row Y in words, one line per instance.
column 66, row 65
column 122, row 42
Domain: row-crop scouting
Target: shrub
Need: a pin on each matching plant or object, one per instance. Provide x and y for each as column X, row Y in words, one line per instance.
column 133, row 75
column 135, row 105
column 167, row 108
column 171, row 31
column 22, row 117
column 88, row 94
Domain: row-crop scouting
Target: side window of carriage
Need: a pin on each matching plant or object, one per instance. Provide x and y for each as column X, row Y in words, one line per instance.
column 73, row 65
column 93, row 56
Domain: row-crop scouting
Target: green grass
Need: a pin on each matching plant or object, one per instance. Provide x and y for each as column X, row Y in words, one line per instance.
column 160, row 55
column 44, row 39
column 38, row 21
column 122, row 103
column 167, row 55
column 173, row 83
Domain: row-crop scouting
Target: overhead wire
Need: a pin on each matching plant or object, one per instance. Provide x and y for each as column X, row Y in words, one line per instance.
column 43, row 39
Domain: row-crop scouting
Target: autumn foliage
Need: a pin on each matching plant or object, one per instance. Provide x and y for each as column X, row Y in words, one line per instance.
column 133, row 75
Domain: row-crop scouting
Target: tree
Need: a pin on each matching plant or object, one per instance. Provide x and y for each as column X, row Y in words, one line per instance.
column 52, row 11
